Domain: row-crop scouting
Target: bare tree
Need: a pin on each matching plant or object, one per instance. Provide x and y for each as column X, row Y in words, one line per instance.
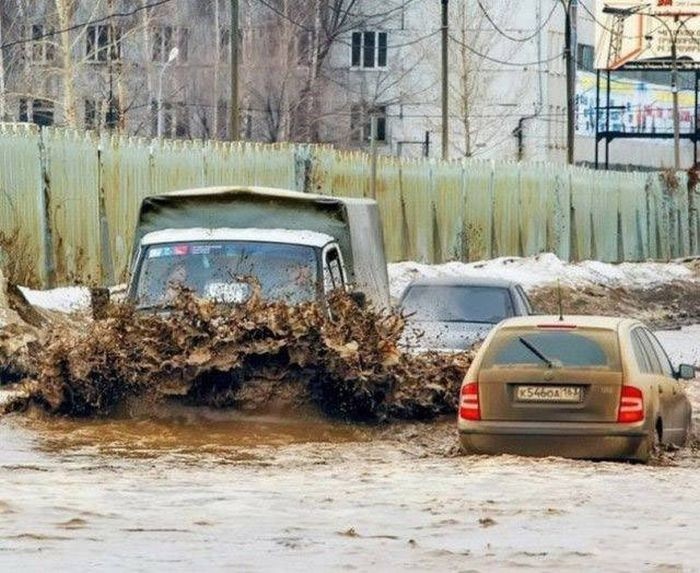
column 293, row 87
column 299, row 37
column 66, row 65
column 477, row 79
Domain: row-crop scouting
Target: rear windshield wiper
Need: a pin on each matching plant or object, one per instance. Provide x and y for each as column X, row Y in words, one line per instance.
column 537, row 352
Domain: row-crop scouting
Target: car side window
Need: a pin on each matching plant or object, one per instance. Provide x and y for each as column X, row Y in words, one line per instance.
column 662, row 357
column 524, row 299
column 332, row 270
column 640, row 354
column 653, row 359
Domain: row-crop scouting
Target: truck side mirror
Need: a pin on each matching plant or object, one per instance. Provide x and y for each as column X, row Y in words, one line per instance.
column 686, row 372
column 359, row 297
column 99, row 302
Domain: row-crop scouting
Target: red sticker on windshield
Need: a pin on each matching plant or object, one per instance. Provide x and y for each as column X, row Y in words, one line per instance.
column 180, row 250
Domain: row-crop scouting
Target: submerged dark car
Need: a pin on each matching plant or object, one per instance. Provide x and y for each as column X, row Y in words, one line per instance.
column 454, row 313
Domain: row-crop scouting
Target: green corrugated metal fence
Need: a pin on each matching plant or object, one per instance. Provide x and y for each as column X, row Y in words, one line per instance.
column 71, row 200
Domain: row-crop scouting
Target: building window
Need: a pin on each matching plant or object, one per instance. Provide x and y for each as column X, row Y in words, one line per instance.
column 586, row 58
column 165, row 38
column 41, row 50
column 304, row 47
column 176, row 120
column 369, row 50
column 23, row 110
column 39, row 111
column 91, row 114
column 99, row 114
column 102, row 43
column 361, row 122
column 222, row 119
column 224, row 44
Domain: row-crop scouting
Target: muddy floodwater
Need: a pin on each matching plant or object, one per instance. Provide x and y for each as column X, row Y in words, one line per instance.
column 185, row 489
column 193, row 489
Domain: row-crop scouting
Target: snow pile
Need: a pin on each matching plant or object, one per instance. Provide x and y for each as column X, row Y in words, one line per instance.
column 682, row 346
column 67, row 299
column 543, row 270
column 531, row 272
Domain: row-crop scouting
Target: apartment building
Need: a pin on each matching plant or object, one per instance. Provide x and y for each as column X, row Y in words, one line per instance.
column 310, row 71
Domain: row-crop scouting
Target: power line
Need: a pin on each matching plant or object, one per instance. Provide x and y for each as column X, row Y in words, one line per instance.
column 84, row 24
column 375, row 15
column 339, row 41
column 504, row 62
column 505, row 34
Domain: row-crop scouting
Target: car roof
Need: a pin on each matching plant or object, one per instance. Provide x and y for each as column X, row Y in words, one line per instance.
column 581, row 321
column 272, row 192
column 306, row 238
column 462, row 281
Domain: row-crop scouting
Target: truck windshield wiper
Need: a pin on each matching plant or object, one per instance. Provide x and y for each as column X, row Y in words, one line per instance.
column 162, row 306
column 537, row 352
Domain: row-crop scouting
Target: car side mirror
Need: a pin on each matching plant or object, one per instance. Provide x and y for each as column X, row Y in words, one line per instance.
column 686, row 372
column 359, row 297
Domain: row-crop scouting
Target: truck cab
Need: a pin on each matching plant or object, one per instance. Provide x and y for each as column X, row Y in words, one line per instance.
column 227, row 265
column 224, row 242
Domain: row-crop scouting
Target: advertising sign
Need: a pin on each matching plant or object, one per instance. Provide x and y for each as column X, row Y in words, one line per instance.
column 635, row 106
column 641, row 34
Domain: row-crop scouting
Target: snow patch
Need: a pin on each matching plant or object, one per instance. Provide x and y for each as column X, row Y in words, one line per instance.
column 682, row 346
column 542, row 270
column 530, row 272
column 67, row 299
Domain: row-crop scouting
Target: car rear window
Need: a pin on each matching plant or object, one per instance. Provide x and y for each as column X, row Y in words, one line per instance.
column 579, row 349
column 440, row 303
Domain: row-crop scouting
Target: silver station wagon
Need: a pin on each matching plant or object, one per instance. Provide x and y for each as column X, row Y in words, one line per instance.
column 579, row 386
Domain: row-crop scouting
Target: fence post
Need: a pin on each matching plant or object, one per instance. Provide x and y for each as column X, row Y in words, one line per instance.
column 693, row 212
column 107, row 274
column 572, row 235
column 492, row 192
column 303, row 159
column 47, row 232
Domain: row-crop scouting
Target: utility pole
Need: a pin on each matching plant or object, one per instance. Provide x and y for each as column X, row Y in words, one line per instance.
column 570, row 49
column 3, row 100
column 174, row 54
column 234, row 123
column 445, row 82
column 374, row 120
column 619, row 15
column 674, row 91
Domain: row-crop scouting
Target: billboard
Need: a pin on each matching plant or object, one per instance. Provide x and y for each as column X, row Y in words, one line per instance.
column 635, row 106
column 638, row 34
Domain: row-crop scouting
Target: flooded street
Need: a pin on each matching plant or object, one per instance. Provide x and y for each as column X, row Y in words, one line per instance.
column 186, row 488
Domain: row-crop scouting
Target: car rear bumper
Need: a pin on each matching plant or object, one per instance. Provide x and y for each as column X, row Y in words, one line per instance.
column 587, row 441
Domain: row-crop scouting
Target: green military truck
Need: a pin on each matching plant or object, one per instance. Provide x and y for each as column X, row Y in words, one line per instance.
column 222, row 242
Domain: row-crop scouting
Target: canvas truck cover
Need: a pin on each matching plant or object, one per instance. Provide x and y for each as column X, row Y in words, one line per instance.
column 354, row 223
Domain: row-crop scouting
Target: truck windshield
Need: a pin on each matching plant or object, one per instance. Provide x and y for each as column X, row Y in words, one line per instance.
column 223, row 270
column 428, row 303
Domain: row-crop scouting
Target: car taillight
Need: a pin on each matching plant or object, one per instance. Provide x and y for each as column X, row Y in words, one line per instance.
column 469, row 402
column 631, row 405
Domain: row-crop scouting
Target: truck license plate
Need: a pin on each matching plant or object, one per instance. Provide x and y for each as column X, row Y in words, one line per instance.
column 565, row 394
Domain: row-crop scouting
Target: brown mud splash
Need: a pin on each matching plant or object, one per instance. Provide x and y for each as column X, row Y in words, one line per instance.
column 20, row 327
column 244, row 357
